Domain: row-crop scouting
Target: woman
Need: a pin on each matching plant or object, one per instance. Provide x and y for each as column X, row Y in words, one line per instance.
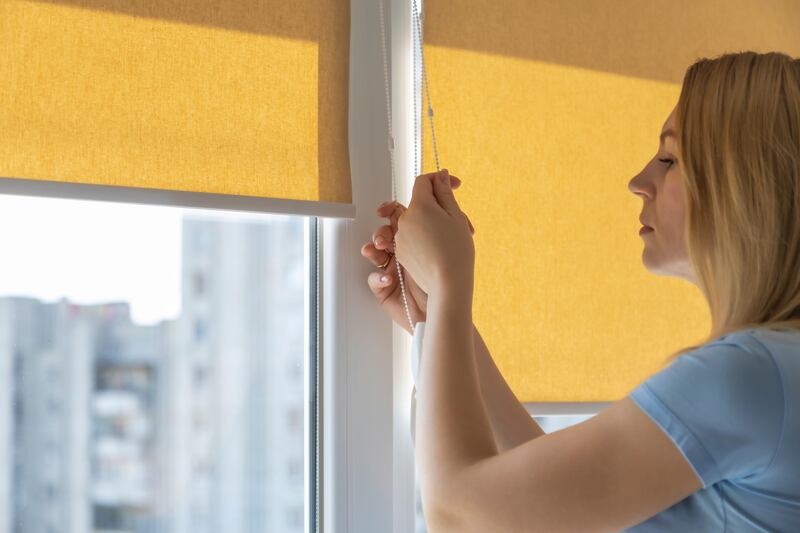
column 709, row 443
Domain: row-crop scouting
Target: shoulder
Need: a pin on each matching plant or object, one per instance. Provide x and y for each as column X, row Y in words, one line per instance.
column 725, row 399
column 734, row 372
column 741, row 356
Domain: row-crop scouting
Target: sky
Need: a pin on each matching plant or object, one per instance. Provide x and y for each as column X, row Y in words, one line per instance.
column 92, row 252
column 95, row 252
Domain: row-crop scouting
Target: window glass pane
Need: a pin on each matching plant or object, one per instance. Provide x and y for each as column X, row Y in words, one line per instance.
column 152, row 369
column 555, row 422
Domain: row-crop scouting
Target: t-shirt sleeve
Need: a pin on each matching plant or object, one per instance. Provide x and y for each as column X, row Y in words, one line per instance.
column 722, row 405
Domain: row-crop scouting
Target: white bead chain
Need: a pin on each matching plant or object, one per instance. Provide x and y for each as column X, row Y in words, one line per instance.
column 418, row 32
column 391, row 143
column 391, row 151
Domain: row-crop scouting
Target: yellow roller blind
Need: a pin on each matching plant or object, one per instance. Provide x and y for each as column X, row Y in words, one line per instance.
column 545, row 110
column 237, row 99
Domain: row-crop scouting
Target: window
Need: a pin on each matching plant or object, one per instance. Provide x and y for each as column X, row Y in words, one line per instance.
column 146, row 389
column 178, row 445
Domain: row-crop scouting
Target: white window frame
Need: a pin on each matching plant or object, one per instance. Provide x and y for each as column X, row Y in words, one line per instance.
column 367, row 471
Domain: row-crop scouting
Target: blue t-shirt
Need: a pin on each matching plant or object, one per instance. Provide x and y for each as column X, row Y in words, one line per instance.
column 732, row 407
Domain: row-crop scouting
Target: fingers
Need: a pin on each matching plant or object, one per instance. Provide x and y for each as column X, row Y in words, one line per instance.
column 471, row 228
column 383, row 237
column 375, row 283
column 387, row 209
column 378, row 257
column 444, row 193
column 422, row 190
column 392, row 211
column 455, row 181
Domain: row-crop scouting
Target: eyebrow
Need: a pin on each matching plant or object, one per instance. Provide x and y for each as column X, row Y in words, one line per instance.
column 665, row 134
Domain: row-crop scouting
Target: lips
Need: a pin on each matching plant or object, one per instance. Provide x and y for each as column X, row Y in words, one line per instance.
column 644, row 223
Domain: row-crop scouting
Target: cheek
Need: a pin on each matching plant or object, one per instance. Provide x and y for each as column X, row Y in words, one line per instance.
column 674, row 211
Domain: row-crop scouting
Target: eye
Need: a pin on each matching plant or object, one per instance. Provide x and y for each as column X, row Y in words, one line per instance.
column 670, row 161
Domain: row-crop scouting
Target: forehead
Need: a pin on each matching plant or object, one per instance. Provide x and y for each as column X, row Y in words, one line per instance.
column 670, row 123
column 668, row 130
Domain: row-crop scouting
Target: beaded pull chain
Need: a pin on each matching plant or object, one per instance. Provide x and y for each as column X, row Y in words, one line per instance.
column 417, row 137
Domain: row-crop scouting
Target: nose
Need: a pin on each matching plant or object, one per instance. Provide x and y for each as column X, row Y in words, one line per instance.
column 638, row 185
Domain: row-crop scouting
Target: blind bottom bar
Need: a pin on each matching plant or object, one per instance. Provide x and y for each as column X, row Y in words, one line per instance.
column 564, row 408
column 166, row 197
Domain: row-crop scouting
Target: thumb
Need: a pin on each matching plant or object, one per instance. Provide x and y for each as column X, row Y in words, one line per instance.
column 444, row 193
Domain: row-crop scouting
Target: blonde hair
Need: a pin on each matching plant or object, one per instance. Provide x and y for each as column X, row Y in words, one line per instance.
column 738, row 121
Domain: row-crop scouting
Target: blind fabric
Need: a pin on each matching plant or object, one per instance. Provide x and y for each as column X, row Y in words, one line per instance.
column 204, row 96
column 546, row 110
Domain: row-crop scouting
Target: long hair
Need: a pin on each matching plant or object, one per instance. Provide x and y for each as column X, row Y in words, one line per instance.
column 738, row 122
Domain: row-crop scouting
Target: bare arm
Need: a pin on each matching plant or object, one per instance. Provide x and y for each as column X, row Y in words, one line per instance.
column 511, row 423
column 550, row 483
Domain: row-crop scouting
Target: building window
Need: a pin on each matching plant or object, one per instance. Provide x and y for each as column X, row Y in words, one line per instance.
column 198, row 283
column 199, row 331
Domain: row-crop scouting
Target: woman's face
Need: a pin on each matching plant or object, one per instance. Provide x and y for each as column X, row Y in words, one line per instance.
column 660, row 185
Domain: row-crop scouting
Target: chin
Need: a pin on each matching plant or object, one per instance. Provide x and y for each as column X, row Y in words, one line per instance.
column 654, row 265
column 648, row 262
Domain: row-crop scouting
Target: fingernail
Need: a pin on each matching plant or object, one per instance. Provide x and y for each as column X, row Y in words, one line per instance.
column 379, row 241
column 443, row 177
column 384, row 279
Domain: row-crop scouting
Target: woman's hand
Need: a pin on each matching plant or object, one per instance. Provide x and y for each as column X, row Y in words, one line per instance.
column 388, row 293
column 434, row 238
